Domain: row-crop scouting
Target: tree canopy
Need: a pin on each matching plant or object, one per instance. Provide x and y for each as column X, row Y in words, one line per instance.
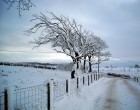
column 65, row 33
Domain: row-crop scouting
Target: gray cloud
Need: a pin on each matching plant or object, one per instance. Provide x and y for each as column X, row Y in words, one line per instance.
column 117, row 22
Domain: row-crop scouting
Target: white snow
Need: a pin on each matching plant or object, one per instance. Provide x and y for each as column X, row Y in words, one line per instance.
column 104, row 94
column 17, row 77
column 121, row 70
column 96, row 96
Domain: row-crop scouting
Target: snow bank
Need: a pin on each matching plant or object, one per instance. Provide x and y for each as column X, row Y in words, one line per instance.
column 97, row 97
column 83, row 99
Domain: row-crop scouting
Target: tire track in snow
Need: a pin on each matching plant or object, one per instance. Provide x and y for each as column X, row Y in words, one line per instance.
column 110, row 102
column 133, row 91
column 118, row 94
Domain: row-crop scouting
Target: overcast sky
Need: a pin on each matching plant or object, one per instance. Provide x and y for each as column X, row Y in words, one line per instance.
column 115, row 21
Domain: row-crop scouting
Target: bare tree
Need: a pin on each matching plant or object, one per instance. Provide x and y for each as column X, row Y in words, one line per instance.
column 90, row 45
column 89, row 48
column 96, row 46
column 21, row 4
column 66, row 34
column 102, row 57
column 61, row 32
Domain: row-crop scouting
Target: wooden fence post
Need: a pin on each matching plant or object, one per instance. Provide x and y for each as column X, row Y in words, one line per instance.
column 88, row 80
column 68, row 86
column 50, row 95
column 83, row 80
column 8, row 100
column 5, row 99
column 95, row 76
column 77, row 82
column 91, row 77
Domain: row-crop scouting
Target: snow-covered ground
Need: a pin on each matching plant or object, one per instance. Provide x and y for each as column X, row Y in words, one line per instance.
column 121, row 70
column 18, row 77
column 104, row 94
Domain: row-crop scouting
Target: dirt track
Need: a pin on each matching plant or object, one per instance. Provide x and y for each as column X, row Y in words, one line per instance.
column 121, row 95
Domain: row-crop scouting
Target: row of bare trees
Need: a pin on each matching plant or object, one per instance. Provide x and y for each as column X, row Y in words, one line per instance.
column 67, row 37
column 62, row 32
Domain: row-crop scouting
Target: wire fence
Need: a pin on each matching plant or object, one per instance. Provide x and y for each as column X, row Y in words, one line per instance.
column 43, row 96
column 59, row 90
column 31, row 98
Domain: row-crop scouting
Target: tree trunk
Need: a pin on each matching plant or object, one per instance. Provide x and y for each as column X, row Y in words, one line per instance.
column 76, row 65
column 73, row 59
column 73, row 72
column 90, row 68
column 77, row 60
column 84, row 64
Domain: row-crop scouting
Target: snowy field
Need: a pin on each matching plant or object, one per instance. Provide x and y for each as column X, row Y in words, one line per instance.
column 104, row 94
column 18, row 77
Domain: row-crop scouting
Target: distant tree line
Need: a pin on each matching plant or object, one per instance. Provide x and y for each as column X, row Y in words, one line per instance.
column 30, row 64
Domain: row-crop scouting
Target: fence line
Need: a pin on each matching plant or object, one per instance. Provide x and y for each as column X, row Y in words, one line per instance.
column 136, row 79
column 43, row 96
column 31, row 98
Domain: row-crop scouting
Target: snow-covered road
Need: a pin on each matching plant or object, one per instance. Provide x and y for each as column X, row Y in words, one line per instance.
column 105, row 94
column 121, row 95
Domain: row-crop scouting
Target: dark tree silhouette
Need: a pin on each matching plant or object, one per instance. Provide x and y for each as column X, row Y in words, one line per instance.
column 21, row 4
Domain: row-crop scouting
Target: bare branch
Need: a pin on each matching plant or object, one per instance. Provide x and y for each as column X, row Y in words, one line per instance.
column 21, row 4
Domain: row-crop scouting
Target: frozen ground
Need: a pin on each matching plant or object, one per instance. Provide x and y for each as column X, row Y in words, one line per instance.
column 105, row 94
column 17, row 77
